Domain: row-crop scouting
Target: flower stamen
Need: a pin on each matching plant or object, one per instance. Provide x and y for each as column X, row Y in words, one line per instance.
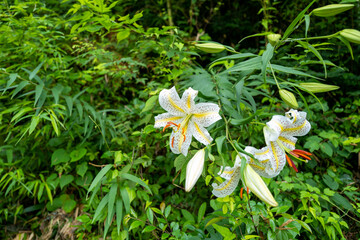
column 291, row 163
column 172, row 141
column 169, row 124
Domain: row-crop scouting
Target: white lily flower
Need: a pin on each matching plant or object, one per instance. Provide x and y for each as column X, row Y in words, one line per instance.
column 280, row 138
column 194, row 169
column 186, row 118
column 252, row 181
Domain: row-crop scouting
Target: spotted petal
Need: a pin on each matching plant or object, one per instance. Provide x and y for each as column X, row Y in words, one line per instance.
column 206, row 114
column 228, row 186
column 162, row 119
column 180, row 140
column 171, row 102
column 188, row 98
column 200, row 133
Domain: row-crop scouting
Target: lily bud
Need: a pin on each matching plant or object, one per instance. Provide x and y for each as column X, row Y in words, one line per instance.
column 210, row 47
column 318, row 87
column 273, row 38
column 288, row 98
column 352, row 35
column 254, row 182
column 331, row 10
column 194, row 169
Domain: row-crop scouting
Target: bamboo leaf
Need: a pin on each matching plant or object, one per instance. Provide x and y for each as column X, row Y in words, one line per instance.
column 112, row 197
column 136, row 180
column 99, row 177
column 100, row 207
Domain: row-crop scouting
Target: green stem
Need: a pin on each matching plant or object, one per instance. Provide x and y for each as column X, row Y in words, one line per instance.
column 310, row 38
column 272, row 70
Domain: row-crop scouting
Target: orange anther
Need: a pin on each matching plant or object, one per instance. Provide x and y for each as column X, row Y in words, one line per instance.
column 168, row 124
column 183, row 130
column 247, row 191
column 241, row 192
column 172, row 141
column 302, row 151
column 291, row 163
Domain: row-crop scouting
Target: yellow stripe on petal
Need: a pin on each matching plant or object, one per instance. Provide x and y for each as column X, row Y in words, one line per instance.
column 286, row 141
column 256, row 166
column 262, row 153
column 296, row 128
column 228, row 172
column 188, row 102
column 281, row 126
column 168, row 119
column 174, row 104
column 201, row 133
column 274, row 152
column 200, row 115
column 228, row 183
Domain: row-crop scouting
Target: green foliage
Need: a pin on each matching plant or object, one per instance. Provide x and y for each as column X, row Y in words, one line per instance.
column 79, row 83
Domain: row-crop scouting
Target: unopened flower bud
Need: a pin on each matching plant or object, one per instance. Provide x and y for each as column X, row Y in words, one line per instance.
column 331, row 10
column 257, row 186
column 273, row 38
column 318, row 87
column 210, row 47
column 352, row 35
column 194, row 169
column 288, row 98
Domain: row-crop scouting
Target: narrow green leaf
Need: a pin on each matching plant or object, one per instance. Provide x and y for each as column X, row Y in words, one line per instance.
column 38, row 90
column 265, row 58
column 48, row 191
column 112, row 197
column 125, row 198
column 34, row 122
column 21, row 113
column 54, row 124
column 136, row 180
column 150, row 215
column 201, row 212
column 108, row 223
column 288, row 70
column 33, row 73
column 56, row 91
column 19, row 88
column 100, row 207
column 307, row 24
column 70, row 103
column 347, row 44
column 219, row 142
column 315, row 52
column 99, row 177
column 291, row 27
column 11, row 80
column 119, row 213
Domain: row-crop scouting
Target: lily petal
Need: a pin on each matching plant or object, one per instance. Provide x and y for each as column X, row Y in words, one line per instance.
column 200, row 133
column 161, row 120
column 180, row 140
column 287, row 141
column 277, row 158
column 171, row 102
column 206, row 114
column 227, row 172
column 228, row 186
column 188, row 98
